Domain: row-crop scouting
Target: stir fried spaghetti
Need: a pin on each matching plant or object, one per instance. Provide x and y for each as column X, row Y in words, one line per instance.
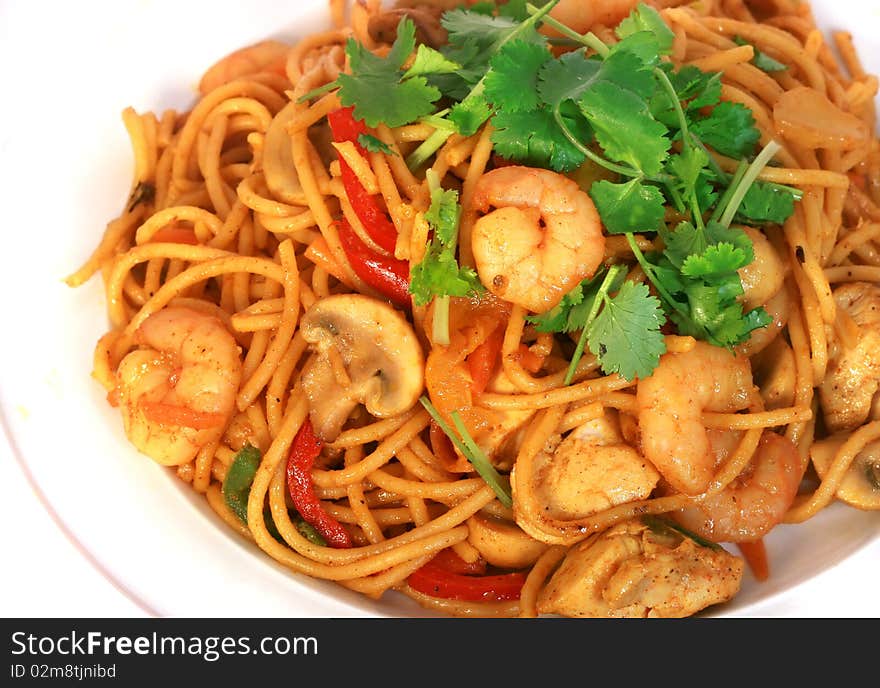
column 517, row 309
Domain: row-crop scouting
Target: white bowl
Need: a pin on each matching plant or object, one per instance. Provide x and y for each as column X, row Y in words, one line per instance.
column 66, row 168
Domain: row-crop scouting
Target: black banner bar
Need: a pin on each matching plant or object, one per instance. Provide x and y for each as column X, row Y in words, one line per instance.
column 128, row 652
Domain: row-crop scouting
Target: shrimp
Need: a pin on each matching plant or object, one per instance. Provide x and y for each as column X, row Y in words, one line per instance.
column 847, row 393
column 671, row 402
column 583, row 16
column 177, row 390
column 636, row 571
column 763, row 277
column 543, row 237
column 265, row 56
column 763, row 282
column 756, row 500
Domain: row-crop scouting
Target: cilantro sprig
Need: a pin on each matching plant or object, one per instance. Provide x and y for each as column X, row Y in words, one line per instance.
column 438, row 275
column 381, row 90
column 610, row 312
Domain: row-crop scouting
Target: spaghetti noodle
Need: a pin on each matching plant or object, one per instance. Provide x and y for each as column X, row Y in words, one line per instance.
column 261, row 283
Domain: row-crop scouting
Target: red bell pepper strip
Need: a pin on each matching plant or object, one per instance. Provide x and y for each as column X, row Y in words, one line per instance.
column 378, row 226
column 385, row 274
column 449, row 560
column 481, row 361
column 438, row 578
column 306, row 448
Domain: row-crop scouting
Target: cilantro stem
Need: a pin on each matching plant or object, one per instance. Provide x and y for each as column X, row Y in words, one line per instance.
column 751, row 174
column 727, row 178
column 428, row 147
column 588, row 39
column 610, row 277
column 676, row 102
column 433, row 182
column 686, row 140
column 321, row 90
column 649, row 272
column 728, row 192
column 472, row 452
column 592, row 155
column 440, row 321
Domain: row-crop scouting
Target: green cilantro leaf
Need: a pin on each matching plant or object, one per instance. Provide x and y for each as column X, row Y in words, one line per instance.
column 567, row 77
column 717, row 260
column 534, row 138
column 430, row 61
column 766, row 203
column 632, row 206
column 443, row 215
column 646, row 19
column 686, row 240
column 716, row 315
column 470, row 113
column 625, row 128
column 517, row 9
column 374, row 145
column 683, row 241
column 729, row 129
column 438, row 273
column 687, row 167
column 481, row 30
column 512, row 81
column 622, row 331
column 695, row 90
column 626, row 336
column 379, row 90
column 558, row 318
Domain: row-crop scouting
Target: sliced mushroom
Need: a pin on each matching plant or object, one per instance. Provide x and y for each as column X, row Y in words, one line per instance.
column 860, row 486
column 502, row 543
column 278, row 167
column 365, row 352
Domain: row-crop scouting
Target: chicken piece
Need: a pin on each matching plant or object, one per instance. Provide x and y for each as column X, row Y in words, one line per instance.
column 634, row 571
column 853, row 376
column 591, row 470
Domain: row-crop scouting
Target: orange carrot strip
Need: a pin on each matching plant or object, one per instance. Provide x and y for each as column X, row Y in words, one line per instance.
column 755, row 554
column 171, row 414
column 175, row 234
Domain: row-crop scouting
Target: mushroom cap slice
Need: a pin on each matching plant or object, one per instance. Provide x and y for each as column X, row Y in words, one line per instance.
column 860, row 486
column 503, row 543
column 382, row 358
column 278, row 167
